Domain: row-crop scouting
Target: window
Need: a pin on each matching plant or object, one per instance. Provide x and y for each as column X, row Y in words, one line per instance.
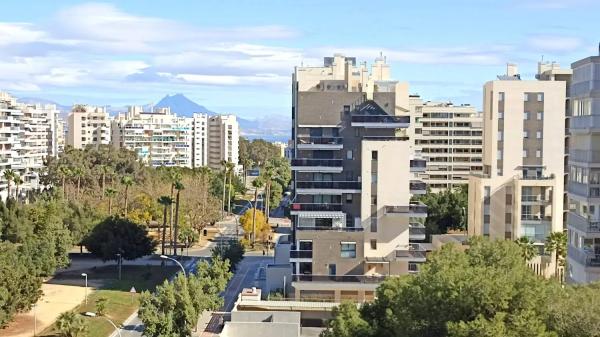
column 374, row 155
column 538, row 135
column 526, row 115
column 348, row 198
column 373, row 244
column 540, row 116
column 540, row 97
column 305, row 245
column 526, row 97
column 349, row 154
column 348, row 250
column 346, row 108
column 500, row 135
column 538, row 154
column 525, row 134
column 501, row 96
column 524, row 153
column 500, row 115
column 499, row 155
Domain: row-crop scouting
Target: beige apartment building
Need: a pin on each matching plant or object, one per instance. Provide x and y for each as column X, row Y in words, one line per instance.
column 449, row 137
column 520, row 192
column 583, row 248
column 28, row 136
column 223, row 140
column 353, row 177
column 88, row 125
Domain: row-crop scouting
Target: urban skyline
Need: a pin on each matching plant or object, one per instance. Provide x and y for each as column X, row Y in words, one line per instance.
column 249, row 54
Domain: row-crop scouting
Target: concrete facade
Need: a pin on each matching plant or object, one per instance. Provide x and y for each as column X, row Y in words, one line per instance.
column 521, row 189
column 450, row 138
column 223, row 140
column 353, row 176
column 583, row 258
column 88, row 125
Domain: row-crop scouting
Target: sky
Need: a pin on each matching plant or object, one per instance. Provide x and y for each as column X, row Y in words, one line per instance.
column 238, row 56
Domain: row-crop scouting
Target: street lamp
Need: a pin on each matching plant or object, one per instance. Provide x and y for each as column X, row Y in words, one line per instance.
column 119, row 264
column 168, row 258
column 113, row 324
column 85, row 275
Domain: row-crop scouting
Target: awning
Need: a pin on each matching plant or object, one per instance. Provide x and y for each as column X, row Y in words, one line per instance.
column 314, row 215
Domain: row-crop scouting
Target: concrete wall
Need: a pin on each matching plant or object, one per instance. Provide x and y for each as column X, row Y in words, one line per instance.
column 259, row 329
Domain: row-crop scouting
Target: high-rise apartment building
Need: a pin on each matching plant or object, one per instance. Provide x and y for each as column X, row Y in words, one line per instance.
column 520, row 192
column 159, row 137
column 223, row 140
column 28, row 135
column 200, row 140
column 583, row 258
column 352, row 218
column 449, row 137
column 88, row 125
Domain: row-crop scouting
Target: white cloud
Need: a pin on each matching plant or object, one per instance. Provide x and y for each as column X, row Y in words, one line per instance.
column 554, row 43
column 13, row 33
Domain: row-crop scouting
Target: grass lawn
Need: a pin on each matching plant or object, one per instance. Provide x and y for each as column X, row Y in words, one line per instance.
column 121, row 303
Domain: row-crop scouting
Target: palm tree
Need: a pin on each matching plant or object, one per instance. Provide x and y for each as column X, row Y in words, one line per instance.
column 528, row 249
column 18, row 182
column 110, row 193
column 178, row 186
column 268, row 175
column 64, row 173
column 556, row 242
column 246, row 163
column 174, row 175
column 224, row 165
column 257, row 183
column 71, row 324
column 127, row 181
column 104, row 171
column 166, row 201
column 230, row 168
column 9, row 175
column 78, row 173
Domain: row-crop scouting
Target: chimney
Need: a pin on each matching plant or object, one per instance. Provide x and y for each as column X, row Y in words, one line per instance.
column 512, row 69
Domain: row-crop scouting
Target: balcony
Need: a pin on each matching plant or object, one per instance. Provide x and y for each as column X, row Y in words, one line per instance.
column 417, row 187
column 317, row 207
column 317, row 165
column 534, row 199
column 584, row 156
column 301, row 254
column 588, row 259
column 584, row 124
column 418, row 165
column 327, row 187
column 329, row 229
column 534, row 219
column 414, row 210
column 380, row 121
column 414, row 253
column 416, row 231
column 319, row 143
column 583, row 224
column 338, row 278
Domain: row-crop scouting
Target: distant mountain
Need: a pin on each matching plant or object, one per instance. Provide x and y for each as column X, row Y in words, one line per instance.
column 64, row 109
column 182, row 105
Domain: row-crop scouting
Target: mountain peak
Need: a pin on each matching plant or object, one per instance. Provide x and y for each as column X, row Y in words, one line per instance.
column 182, row 105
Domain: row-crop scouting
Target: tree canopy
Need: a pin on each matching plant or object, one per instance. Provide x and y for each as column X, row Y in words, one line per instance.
column 485, row 291
column 446, row 210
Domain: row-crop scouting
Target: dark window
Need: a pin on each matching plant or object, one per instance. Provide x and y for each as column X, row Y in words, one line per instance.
column 374, row 155
column 373, row 244
column 316, row 132
column 346, row 108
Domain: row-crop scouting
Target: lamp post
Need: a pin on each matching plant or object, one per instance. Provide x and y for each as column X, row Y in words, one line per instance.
column 119, row 264
column 85, row 275
column 114, row 325
column 180, row 265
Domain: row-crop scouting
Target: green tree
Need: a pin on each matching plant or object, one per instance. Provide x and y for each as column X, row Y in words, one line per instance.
column 574, row 312
column 127, row 181
column 528, row 250
column 257, row 184
column 110, row 194
column 117, row 235
column 18, row 182
column 556, row 243
column 446, row 210
column 347, row 323
column 166, row 201
column 9, row 175
column 71, row 324
column 179, row 187
column 101, row 304
column 231, row 251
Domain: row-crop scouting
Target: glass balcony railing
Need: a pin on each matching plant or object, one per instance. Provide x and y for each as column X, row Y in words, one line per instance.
column 418, row 165
column 320, row 140
column 584, row 224
column 341, row 185
column 301, row 254
column 316, row 207
column 416, row 185
column 416, row 208
column 305, row 162
column 338, row 278
column 329, row 228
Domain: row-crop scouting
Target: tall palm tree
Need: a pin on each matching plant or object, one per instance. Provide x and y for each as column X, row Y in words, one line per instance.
column 18, row 182
column 246, row 163
column 110, row 193
column 528, row 249
column 257, row 183
column 78, row 173
column 70, row 324
column 556, row 242
column 127, row 181
column 104, row 171
column 166, row 201
column 230, row 169
column 268, row 176
column 174, row 175
column 178, row 186
column 224, row 165
column 9, row 175
column 64, row 173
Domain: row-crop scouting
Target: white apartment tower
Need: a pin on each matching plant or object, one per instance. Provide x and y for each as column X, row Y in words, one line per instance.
column 28, row 135
column 520, row 192
column 583, row 257
column 199, row 140
column 88, row 125
column 449, row 138
column 223, row 140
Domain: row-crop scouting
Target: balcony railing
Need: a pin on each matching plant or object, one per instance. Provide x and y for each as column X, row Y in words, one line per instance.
column 387, row 119
column 531, row 217
column 317, row 162
column 584, row 122
column 584, row 156
column 412, row 208
column 588, row 259
column 415, row 252
column 540, row 177
column 317, row 207
column 341, row 185
column 338, row 278
column 418, row 165
column 416, row 185
column 301, row 254
column 584, row 224
column 533, row 198
column 329, row 228
column 320, row 140
column 417, row 231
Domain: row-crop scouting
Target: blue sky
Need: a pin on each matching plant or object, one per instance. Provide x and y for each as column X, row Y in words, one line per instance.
column 237, row 56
